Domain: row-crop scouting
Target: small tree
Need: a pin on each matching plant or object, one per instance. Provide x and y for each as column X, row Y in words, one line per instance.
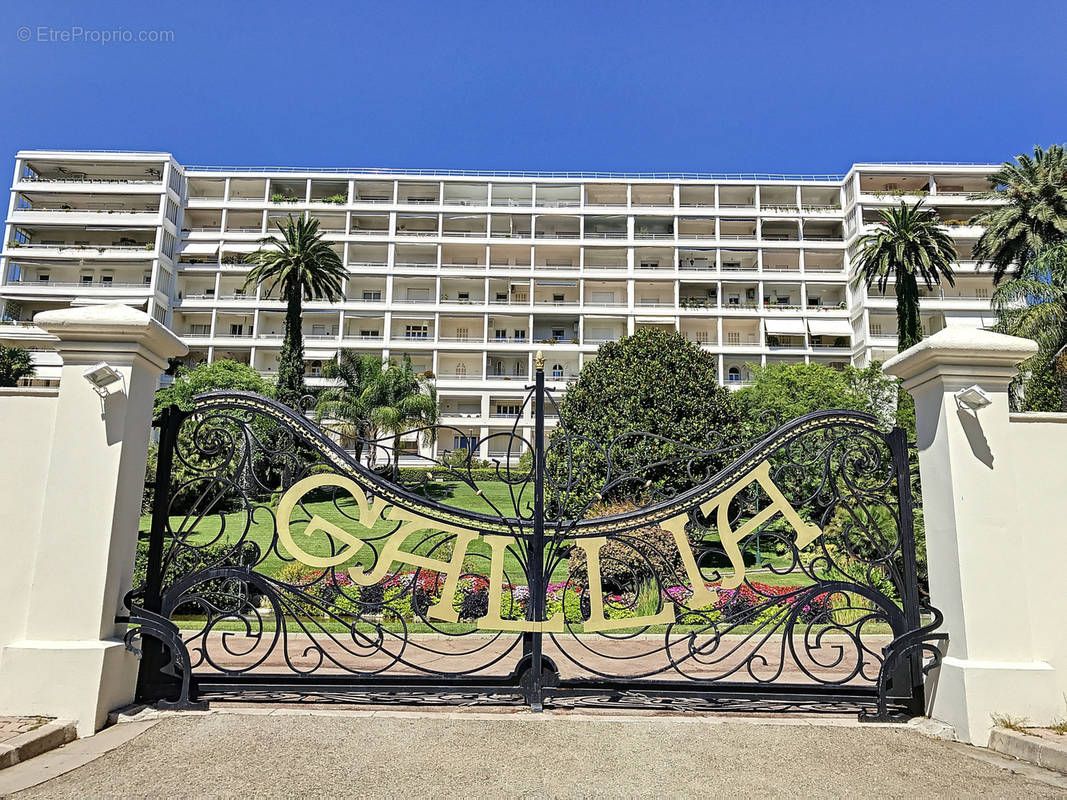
column 222, row 374
column 15, row 364
column 787, row 391
column 654, row 382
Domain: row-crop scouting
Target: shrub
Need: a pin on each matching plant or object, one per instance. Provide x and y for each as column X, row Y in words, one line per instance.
column 644, row 555
column 188, row 560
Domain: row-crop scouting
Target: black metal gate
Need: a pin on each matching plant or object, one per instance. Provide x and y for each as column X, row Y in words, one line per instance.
column 288, row 561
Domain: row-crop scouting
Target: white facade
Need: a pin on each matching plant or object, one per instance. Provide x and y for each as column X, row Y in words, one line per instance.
column 471, row 273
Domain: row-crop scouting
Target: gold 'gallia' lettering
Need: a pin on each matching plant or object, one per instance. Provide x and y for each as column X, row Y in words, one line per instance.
column 411, row 522
column 730, row 538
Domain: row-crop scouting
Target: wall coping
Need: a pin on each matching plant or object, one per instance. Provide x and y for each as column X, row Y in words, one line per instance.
column 29, row 391
column 1038, row 416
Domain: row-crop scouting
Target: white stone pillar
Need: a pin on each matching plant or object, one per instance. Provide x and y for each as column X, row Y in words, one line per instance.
column 978, row 570
column 72, row 663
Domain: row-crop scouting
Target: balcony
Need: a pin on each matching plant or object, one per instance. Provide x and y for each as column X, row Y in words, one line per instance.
column 89, row 174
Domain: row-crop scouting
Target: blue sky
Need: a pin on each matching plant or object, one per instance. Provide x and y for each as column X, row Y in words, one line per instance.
column 796, row 87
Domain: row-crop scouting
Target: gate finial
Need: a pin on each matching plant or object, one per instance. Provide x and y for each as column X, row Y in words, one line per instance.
column 539, row 360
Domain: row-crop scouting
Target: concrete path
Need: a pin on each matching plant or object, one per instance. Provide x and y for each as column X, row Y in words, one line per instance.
column 394, row 754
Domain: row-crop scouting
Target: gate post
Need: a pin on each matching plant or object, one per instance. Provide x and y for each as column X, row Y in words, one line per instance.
column 71, row 661
column 536, row 555
column 978, row 572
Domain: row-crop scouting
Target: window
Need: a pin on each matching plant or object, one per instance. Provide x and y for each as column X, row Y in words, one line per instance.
column 500, row 334
column 498, row 368
column 557, row 370
column 236, row 328
column 87, row 278
column 105, row 279
column 733, row 337
column 416, row 331
column 557, row 334
column 507, row 410
column 649, row 265
column 520, row 334
column 463, row 296
column 367, row 333
column 373, row 296
column 501, row 297
column 199, row 329
column 733, row 375
column 733, row 300
column 463, row 443
column 318, row 330
column 44, row 276
column 557, row 297
column 462, row 333
column 314, row 369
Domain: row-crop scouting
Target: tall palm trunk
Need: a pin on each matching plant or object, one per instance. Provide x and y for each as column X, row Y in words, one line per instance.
column 291, row 359
column 909, row 326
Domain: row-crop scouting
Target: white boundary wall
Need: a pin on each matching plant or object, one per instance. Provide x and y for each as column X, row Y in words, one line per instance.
column 995, row 508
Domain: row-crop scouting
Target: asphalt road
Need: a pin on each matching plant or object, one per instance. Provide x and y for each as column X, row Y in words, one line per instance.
column 444, row 756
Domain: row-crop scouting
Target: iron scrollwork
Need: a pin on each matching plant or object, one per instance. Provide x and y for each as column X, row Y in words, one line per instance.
column 292, row 559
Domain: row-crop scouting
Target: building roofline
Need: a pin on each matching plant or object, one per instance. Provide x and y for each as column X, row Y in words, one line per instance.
column 390, row 172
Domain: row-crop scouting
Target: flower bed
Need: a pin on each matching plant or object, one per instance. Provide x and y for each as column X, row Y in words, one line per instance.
column 406, row 596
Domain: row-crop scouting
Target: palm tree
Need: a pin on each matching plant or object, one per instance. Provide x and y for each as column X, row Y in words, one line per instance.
column 403, row 401
column 1033, row 304
column 1035, row 215
column 373, row 400
column 305, row 267
column 349, row 405
column 909, row 244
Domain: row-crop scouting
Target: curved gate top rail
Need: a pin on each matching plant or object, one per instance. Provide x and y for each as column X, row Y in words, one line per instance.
column 290, row 560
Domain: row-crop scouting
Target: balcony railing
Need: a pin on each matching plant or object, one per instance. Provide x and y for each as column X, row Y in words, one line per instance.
column 146, row 247
column 69, row 210
column 79, row 178
column 85, row 284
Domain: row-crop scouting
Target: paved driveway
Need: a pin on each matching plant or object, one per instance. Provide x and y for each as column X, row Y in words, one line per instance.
column 393, row 754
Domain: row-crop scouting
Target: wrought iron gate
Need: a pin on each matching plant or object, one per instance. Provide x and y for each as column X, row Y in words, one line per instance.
column 291, row 561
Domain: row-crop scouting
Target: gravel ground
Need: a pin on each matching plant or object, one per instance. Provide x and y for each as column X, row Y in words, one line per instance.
column 237, row 755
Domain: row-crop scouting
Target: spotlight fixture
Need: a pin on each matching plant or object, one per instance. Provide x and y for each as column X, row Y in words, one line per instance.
column 101, row 376
column 972, row 398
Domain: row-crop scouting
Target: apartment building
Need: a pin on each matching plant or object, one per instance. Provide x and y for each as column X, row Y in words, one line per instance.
column 470, row 273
